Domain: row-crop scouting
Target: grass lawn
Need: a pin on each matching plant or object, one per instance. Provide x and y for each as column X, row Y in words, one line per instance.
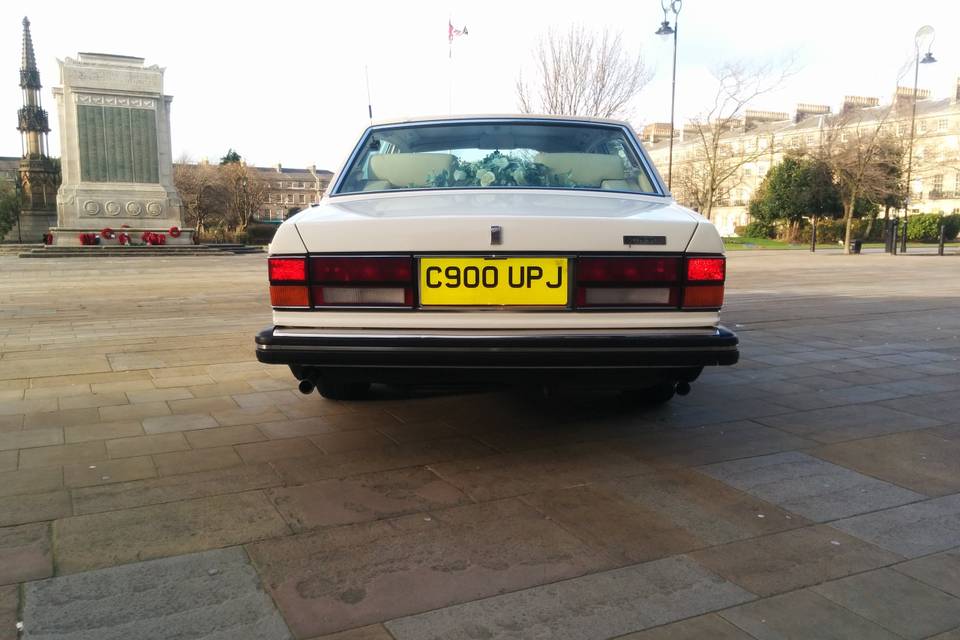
column 746, row 244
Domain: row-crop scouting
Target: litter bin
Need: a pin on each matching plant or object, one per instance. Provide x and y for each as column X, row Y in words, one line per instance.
column 857, row 246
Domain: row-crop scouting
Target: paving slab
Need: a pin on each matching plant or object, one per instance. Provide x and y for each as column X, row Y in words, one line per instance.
column 117, row 537
column 624, row 531
column 179, row 422
column 394, row 456
column 365, row 497
column 9, row 610
column 25, row 553
column 837, row 424
column 42, row 480
column 707, row 509
column 710, row 626
column 8, row 460
column 224, row 436
column 345, row 577
column 108, row 471
column 600, row 605
column 514, row 474
column 146, row 445
column 941, row 570
column 215, row 595
column 35, row 507
column 353, row 440
column 126, row 495
column 896, row 602
column 179, row 462
column 12, row 440
column 803, row 614
column 912, row 530
column 793, row 559
column 712, row 443
column 370, row 632
column 920, row 460
column 815, row 489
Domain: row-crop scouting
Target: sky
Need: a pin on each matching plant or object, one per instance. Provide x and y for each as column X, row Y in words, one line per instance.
column 286, row 83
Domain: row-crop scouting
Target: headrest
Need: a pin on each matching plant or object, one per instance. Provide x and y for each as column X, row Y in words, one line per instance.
column 585, row 169
column 409, row 169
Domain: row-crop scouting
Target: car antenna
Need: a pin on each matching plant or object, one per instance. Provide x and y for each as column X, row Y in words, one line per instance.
column 366, row 72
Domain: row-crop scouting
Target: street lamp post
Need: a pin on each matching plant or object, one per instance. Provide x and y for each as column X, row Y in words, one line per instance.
column 924, row 34
column 666, row 30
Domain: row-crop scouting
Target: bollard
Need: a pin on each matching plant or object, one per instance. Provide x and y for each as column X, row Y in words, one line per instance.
column 813, row 235
column 943, row 231
column 894, row 229
column 903, row 243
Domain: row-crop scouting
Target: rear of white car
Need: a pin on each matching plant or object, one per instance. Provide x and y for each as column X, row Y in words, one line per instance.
column 561, row 259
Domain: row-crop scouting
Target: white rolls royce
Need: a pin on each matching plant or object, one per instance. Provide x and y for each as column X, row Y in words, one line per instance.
column 511, row 249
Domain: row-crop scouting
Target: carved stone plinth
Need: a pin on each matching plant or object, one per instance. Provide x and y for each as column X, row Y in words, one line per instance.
column 115, row 144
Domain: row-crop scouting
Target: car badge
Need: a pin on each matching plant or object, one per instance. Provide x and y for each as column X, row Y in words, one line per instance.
column 496, row 234
column 632, row 240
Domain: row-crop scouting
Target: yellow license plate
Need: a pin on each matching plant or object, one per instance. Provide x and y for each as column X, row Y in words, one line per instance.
column 493, row 281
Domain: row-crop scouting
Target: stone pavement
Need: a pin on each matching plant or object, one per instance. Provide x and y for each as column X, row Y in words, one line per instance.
column 157, row 482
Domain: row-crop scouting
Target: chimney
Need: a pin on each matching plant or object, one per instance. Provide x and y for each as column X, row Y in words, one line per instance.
column 904, row 95
column 312, row 169
column 279, row 167
column 805, row 110
column 956, row 93
column 752, row 117
column 858, row 102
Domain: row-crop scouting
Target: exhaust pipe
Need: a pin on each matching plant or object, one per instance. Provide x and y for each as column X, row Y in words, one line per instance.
column 306, row 387
column 683, row 388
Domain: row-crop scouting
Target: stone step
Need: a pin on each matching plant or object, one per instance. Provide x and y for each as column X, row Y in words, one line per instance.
column 113, row 251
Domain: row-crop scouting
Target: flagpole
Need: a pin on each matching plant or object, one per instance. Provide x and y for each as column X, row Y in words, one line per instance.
column 450, row 65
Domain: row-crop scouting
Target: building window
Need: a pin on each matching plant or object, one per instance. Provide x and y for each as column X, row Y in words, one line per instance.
column 844, row 136
column 303, row 198
column 937, row 189
column 922, row 126
column 290, row 198
column 313, row 198
column 942, row 124
column 299, row 185
column 810, row 138
column 902, row 130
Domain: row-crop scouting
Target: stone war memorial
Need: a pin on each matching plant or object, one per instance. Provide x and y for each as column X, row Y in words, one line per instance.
column 116, row 160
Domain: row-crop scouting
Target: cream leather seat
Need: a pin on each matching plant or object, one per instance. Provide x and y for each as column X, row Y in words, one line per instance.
column 596, row 170
column 406, row 170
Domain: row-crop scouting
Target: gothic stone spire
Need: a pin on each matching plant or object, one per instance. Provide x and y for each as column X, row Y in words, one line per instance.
column 32, row 119
column 29, row 75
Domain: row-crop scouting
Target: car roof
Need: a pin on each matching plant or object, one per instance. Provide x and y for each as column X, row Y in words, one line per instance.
column 499, row 116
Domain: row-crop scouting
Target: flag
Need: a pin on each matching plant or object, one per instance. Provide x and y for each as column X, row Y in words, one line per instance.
column 453, row 32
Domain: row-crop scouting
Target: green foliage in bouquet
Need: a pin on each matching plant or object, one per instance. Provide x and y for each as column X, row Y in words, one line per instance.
column 499, row 170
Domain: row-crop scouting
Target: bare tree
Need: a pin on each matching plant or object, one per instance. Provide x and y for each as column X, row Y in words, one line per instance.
column 246, row 193
column 718, row 156
column 864, row 159
column 202, row 192
column 579, row 72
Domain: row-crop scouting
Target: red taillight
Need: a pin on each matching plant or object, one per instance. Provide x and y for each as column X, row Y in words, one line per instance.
column 706, row 269
column 628, row 281
column 622, row 270
column 287, row 269
column 357, row 270
column 360, row 281
column 650, row 281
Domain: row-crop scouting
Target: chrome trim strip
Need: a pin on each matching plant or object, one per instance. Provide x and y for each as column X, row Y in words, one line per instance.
column 297, row 332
